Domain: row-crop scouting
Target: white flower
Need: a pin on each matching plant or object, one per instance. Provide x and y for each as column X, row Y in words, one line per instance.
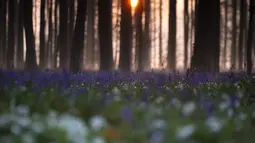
column 186, row 131
column 158, row 124
column 230, row 112
column 242, row 116
column 188, row 108
column 97, row 123
column 16, row 129
column 176, row 103
column 98, row 140
column 37, row 127
column 23, row 121
column 4, row 119
column 159, row 100
column 28, row 138
column 214, row 124
column 223, row 106
column 116, row 91
column 22, row 110
column 75, row 128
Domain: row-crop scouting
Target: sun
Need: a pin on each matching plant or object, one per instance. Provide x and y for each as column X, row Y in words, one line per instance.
column 133, row 3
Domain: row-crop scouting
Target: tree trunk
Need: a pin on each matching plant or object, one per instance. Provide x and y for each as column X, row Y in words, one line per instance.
column 42, row 35
column 30, row 39
column 147, row 38
column 105, row 34
column 250, row 37
column 242, row 23
column 234, row 27
column 160, row 33
column 78, row 39
column 224, row 59
column 3, row 8
column 62, row 41
column 20, row 44
column 172, row 35
column 11, row 33
column 125, row 36
column 207, row 36
column 90, row 49
column 139, row 35
column 186, row 32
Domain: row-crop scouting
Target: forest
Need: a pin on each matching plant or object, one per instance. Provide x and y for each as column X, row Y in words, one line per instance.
column 127, row 71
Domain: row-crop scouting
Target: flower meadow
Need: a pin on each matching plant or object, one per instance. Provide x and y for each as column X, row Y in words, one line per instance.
column 139, row 107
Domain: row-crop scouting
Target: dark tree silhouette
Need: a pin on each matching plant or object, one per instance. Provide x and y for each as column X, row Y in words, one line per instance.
column 30, row 39
column 139, row 35
column 186, row 32
column 207, row 36
column 172, row 35
column 160, row 31
column 224, row 59
column 63, row 37
column 20, row 42
column 125, row 36
column 242, row 33
column 105, row 34
column 250, row 37
column 11, row 33
column 42, row 34
column 234, row 32
column 147, row 38
column 90, row 49
column 3, row 5
column 78, row 37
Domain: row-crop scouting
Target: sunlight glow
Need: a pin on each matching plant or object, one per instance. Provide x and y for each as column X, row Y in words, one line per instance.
column 133, row 3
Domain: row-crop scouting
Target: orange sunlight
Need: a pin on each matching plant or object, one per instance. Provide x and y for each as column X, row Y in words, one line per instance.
column 133, row 3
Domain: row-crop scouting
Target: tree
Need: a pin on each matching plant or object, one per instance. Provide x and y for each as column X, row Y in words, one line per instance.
column 20, row 43
column 11, row 33
column 172, row 35
column 125, row 36
column 78, row 37
column 186, row 32
column 42, row 34
column 147, row 37
column 3, row 5
column 250, row 37
column 160, row 32
column 90, row 49
column 242, row 33
column 63, row 37
column 207, row 36
column 139, row 35
column 105, row 34
column 234, row 32
column 30, row 39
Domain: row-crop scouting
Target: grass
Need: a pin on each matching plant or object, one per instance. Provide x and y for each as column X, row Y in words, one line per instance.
column 126, row 108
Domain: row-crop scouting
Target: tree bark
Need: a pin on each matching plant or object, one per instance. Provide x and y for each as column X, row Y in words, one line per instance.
column 42, row 35
column 207, row 36
column 172, row 35
column 147, row 36
column 105, row 34
column 30, row 39
column 125, row 36
column 250, row 37
column 3, row 8
column 78, row 39
column 20, row 44
column 186, row 32
column 234, row 31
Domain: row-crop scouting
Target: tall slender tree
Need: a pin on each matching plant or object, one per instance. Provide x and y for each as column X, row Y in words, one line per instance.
column 11, row 33
column 207, row 36
column 147, row 36
column 139, row 35
column 42, row 34
column 125, row 36
column 172, row 35
column 242, row 33
column 20, row 42
column 63, row 37
column 160, row 31
column 186, row 32
column 234, row 32
column 3, row 8
column 224, row 59
column 90, row 48
column 30, row 39
column 78, row 37
column 250, row 36
column 105, row 34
